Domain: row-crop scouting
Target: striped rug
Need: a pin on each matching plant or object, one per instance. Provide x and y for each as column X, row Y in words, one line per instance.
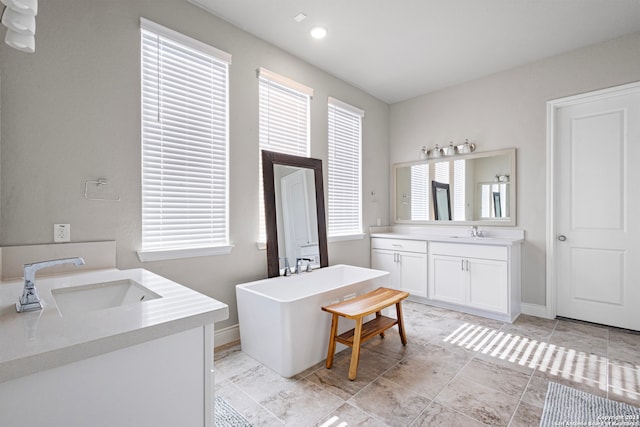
column 566, row 406
column 226, row 416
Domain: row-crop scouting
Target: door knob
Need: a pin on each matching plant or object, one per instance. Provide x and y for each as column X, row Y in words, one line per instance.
column 562, row 237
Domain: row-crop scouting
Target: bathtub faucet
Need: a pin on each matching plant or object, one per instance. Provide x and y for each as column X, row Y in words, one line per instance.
column 30, row 301
column 299, row 264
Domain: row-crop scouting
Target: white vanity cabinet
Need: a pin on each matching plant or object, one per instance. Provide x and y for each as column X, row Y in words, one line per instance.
column 476, row 277
column 406, row 262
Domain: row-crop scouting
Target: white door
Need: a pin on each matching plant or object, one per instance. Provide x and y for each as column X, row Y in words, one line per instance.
column 597, row 208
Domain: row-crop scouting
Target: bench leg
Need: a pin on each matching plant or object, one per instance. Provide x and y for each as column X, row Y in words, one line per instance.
column 403, row 336
column 355, row 350
column 332, row 341
column 378, row 315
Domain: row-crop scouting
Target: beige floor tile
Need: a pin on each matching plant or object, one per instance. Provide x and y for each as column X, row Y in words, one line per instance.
column 526, row 416
column 579, row 341
column 479, row 401
column 624, row 347
column 437, row 415
column 430, row 370
column 498, row 377
column 350, row 415
column 394, row 404
column 302, row 403
column 478, row 370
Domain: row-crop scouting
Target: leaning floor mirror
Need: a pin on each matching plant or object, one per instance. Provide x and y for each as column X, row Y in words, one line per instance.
column 294, row 211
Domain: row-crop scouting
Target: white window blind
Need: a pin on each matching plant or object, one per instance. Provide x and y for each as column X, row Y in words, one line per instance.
column 459, row 190
column 420, row 192
column 344, row 167
column 283, row 123
column 184, row 141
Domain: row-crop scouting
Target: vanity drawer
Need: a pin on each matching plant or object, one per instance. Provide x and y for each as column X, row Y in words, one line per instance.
column 419, row 246
column 499, row 253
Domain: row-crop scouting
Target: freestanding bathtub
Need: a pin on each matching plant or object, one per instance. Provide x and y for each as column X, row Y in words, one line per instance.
column 281, row 323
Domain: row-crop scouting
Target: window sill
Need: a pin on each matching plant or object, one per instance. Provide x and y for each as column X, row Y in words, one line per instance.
column 345, row 237
column 161, row 255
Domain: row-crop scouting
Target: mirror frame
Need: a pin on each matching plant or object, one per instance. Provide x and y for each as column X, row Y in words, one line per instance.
column 510, row 222
column 269, row 160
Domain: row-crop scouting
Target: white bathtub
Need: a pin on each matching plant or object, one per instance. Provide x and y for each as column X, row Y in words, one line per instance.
column 281, row 323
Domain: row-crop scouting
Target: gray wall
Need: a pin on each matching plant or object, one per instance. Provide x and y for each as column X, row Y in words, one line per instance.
column 71, row 113
column 508, row 109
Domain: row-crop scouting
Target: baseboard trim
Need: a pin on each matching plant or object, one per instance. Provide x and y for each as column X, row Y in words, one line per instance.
column 226, row 335
column 534, row 310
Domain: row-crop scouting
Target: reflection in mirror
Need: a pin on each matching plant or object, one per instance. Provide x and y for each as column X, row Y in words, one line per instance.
column 494, row 200
column 296, row 215
column 441, row 201
column 294, row 211
column 465, row 174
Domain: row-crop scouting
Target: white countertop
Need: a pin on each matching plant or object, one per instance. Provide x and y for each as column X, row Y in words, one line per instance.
column 44, row 339
column 489, row 240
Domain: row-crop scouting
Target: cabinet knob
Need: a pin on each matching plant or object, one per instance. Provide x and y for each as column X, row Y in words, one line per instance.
column 562, row 237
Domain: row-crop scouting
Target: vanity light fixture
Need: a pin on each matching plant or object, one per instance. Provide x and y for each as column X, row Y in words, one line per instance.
column 19, row 18
column 448, row 151
column 318, row 32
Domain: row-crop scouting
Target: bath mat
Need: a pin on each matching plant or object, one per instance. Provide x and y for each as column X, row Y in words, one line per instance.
column 226, row 416
column 566, row 406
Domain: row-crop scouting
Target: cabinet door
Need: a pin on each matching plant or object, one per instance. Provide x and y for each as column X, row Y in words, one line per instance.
column 413, row 273
column 488, row 285
column 448, row 279
column 386, row 261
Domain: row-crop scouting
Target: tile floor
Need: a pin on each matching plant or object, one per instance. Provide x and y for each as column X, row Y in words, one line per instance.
column 457, row 370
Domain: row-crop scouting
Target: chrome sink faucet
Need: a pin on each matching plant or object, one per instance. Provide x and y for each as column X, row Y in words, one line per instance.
column 475, row 232
column 299, row 265
column 30, row 301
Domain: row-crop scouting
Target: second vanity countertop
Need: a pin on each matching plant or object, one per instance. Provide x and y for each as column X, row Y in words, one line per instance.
column 452, row 238
column 38, row 340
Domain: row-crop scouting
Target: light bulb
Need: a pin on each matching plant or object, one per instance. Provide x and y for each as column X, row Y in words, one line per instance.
column 318, row 32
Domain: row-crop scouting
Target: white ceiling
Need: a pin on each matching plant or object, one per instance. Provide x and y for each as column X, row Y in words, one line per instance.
column 398, row 49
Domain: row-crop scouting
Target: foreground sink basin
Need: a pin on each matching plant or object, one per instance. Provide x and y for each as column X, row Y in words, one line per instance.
column 99, row 296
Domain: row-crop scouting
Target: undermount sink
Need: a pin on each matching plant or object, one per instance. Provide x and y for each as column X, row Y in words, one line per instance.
column 99, row 296
column 472, row 237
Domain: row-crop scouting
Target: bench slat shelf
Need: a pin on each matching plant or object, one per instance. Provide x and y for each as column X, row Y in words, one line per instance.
column 369, row 330
column 356, row 309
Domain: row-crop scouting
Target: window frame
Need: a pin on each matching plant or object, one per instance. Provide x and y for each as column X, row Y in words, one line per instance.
column 268, row 80
column 353, row 113
column 219, row 110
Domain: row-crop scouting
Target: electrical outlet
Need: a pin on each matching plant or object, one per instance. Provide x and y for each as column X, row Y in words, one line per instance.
column 61, row 233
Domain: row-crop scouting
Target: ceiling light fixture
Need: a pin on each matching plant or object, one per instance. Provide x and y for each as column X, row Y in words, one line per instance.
column 318, row 32
column 19, row 18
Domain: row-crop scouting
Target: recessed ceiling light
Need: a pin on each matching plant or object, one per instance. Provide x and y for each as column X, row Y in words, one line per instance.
column 300, row 17
column 318, row 32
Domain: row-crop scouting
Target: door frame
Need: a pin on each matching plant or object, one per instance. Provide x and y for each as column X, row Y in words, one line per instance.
column 552, row 169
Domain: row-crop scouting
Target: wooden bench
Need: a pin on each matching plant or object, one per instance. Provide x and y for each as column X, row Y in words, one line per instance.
column 356, row 309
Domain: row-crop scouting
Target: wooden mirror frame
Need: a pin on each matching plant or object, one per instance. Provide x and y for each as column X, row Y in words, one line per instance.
column 269, row 159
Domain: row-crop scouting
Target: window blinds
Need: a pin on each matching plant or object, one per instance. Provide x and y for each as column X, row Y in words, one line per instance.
column 283, row 123
column 344, row 167
column 419, row 196
column 184, row 141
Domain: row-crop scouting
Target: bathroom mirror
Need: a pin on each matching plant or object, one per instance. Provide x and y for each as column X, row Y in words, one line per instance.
column 473, row 179
column 294, row 211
